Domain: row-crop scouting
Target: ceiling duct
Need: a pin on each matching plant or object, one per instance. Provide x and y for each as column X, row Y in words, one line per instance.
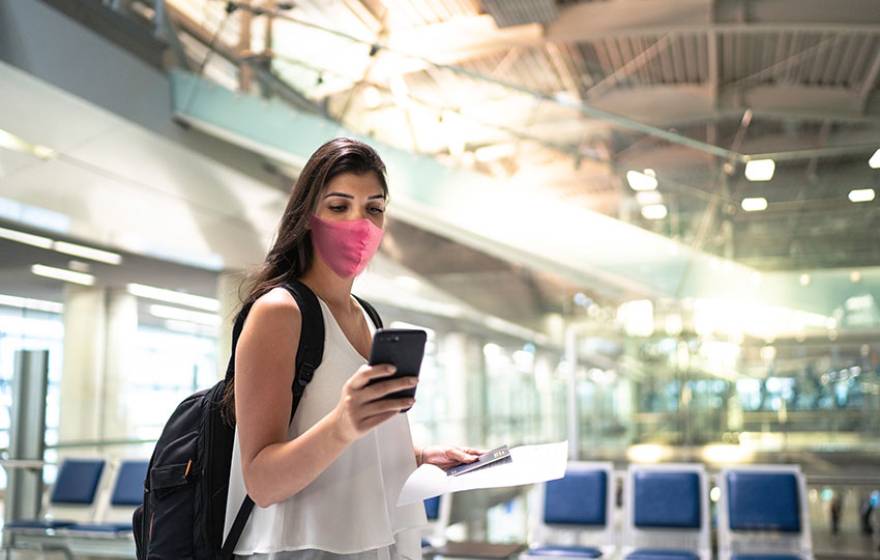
column 507, row 13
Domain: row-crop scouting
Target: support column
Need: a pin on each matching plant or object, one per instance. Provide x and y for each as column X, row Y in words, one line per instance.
column 120, row 350
column 477, row 394
column 84, row 354
column 28, row 427
column 453, row 356
column 571, row 400
column 228, row 285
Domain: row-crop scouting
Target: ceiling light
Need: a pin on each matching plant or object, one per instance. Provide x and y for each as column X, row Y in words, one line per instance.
column 172, row 296
column 28, row 303
column 805, row 279
column 176, row 313
column 13, row 142
column 760, row 169
column 861, row 195
column 87, row 252
column 63, row 274
column 855, row 276
column 754, row 204
column 26, row 238
column 646, row 198
column 639, row 181
column 654, row 212
column 372, row 97
column 874, row 162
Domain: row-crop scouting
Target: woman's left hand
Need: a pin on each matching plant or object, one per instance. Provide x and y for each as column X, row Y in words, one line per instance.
column 448, row 457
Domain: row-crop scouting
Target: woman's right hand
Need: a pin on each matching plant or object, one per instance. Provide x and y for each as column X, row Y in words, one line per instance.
column 361, row 407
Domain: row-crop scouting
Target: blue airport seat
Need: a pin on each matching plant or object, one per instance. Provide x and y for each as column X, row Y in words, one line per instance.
column 763, row 501
column 99, row 527
column 129, row 487
column 77, row 481
column 659, row 554
column 566, row 551
column 71, row 502
column 579, row 498
column 76, row 485
column 432, row 508
column 667, row 500
column 437, row 510
column 666, row 513
column 571, row 516
column 126, row 494
column 38, row 524
column 762, row 514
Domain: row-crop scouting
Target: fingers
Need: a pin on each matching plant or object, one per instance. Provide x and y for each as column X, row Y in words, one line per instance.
column 382, row 388
column 374, row 421
column 382, row 406
column 367, row 373
column 461, row 455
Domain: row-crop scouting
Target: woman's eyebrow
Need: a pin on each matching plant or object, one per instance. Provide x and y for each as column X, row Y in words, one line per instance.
column 350, row 197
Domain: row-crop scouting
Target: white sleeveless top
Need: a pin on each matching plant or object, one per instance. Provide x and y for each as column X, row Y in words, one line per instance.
column 350, row 508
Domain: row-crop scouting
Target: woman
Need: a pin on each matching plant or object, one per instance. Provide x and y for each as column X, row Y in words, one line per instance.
column 325, row 484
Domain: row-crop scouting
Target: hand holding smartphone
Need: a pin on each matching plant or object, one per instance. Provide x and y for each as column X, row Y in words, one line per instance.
column 404, row 349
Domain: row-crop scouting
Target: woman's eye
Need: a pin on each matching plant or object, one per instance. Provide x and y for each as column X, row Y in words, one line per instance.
column 337, row 208
column 377, row 210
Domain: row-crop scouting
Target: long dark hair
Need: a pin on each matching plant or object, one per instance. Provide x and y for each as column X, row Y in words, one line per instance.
column 291, row 254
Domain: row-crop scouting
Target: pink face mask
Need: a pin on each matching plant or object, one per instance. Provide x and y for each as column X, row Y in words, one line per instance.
column 346, row 246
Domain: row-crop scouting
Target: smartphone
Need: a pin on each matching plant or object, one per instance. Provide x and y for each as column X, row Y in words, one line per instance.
column 404, row 349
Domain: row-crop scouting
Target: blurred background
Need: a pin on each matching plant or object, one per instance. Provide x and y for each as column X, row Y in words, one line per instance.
column 645, row 226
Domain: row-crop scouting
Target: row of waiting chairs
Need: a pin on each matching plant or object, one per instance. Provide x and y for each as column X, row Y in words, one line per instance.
column 88, row 512
column 762, row 514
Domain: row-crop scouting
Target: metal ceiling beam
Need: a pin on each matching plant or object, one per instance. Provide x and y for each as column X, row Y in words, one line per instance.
column 476, row 36
column 584, row 247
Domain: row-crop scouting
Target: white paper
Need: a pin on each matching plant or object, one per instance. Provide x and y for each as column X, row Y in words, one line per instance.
column 530, row 464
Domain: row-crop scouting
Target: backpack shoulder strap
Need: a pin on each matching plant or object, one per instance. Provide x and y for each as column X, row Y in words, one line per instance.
column 310, row 351
column 371, row 311
column 309, row 354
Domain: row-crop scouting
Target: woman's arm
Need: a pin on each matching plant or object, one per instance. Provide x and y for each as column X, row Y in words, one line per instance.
column 274, row 467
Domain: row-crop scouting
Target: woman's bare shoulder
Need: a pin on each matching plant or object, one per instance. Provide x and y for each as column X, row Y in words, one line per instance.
column 275, row 309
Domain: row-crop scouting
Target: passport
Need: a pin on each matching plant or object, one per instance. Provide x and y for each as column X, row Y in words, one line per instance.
column 498, row 456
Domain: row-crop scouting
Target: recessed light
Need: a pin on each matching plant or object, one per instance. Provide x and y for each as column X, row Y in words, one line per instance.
column 760, row 169
column 30, row 303
column 861, row 195
column 63, row 274
column 639, row 181
column 172, row 296
column 654, row 212
column 26, row 238
column 874, row 162
column 757, row 204
column 87, row 252
column 176, row 313
column 646, row 198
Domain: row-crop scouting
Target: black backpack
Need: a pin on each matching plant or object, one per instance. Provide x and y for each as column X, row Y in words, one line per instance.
column 185, row 491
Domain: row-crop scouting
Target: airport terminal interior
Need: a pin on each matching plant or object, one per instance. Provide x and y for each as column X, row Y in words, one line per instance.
column 647, row 228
